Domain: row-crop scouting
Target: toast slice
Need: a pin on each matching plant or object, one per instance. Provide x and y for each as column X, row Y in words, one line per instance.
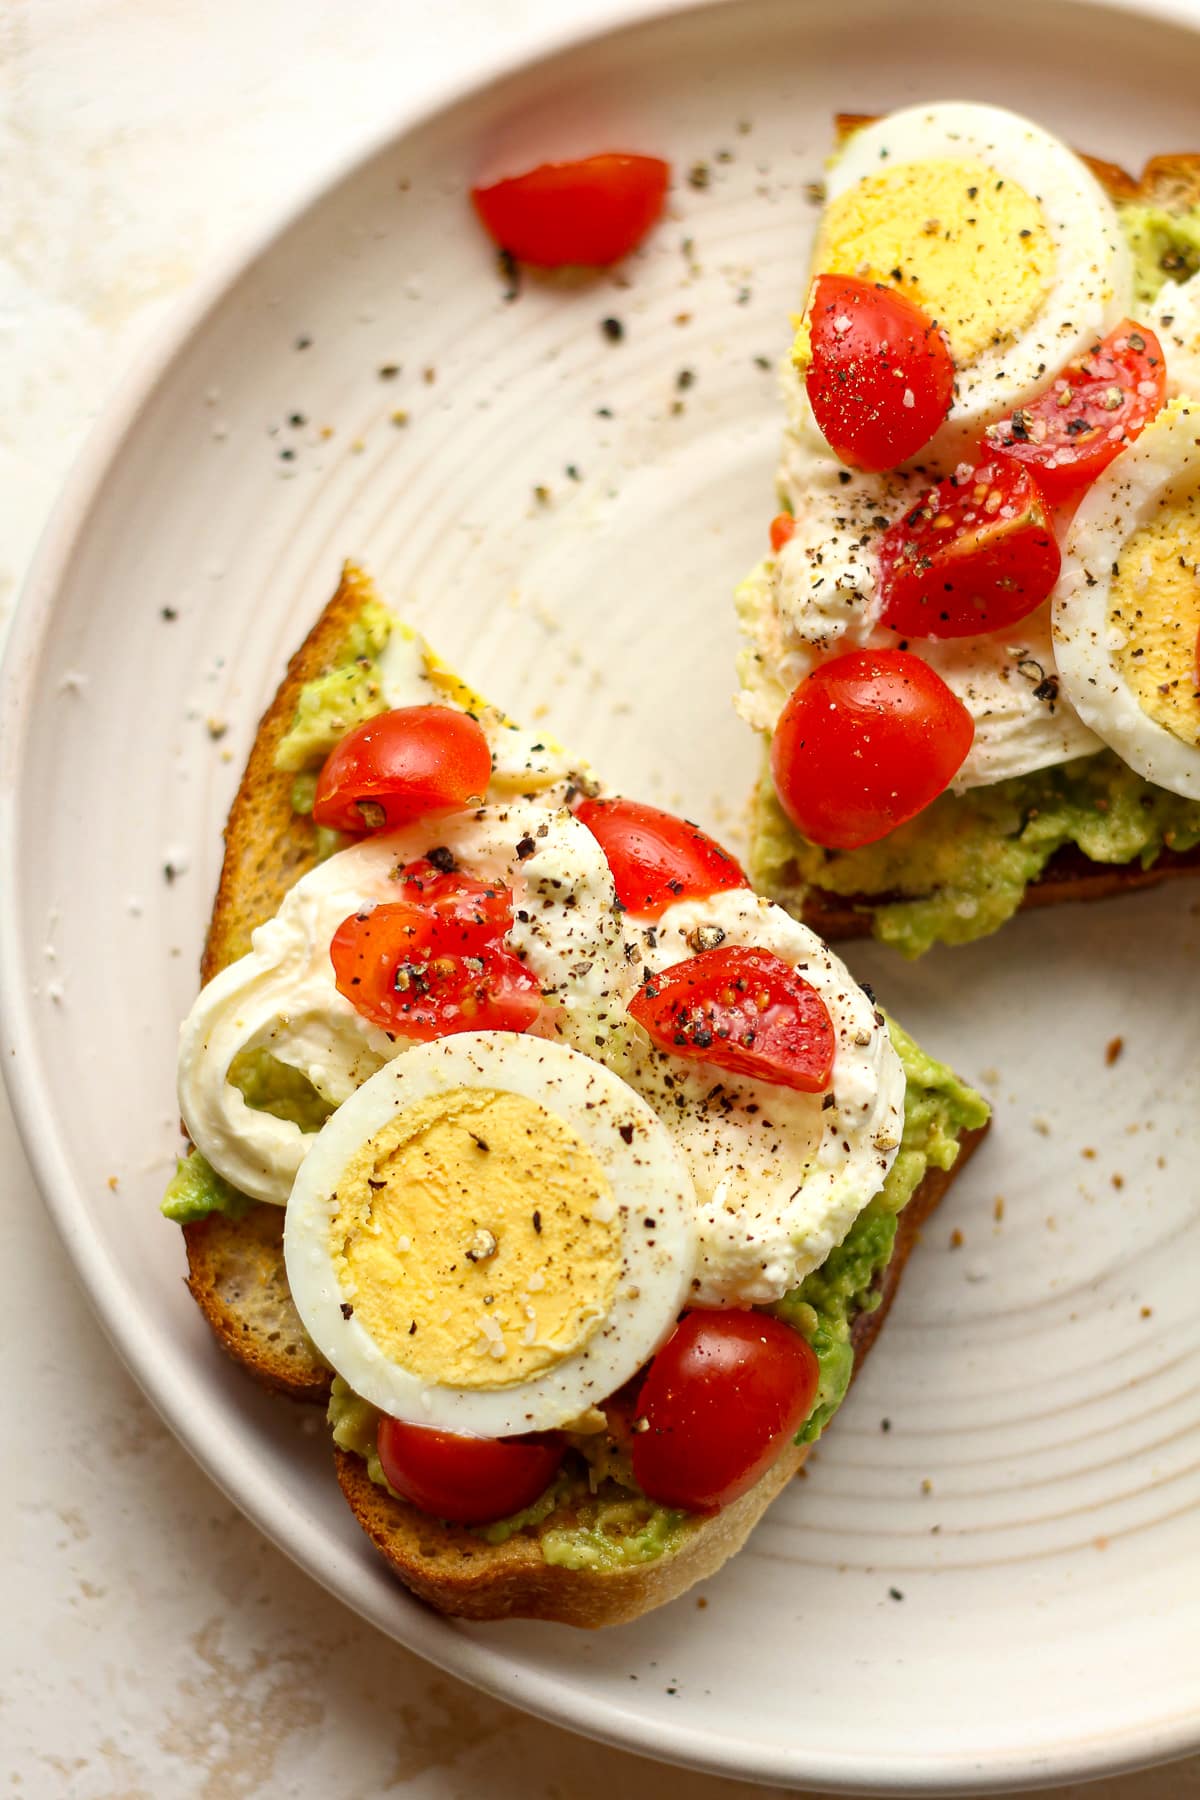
column 1172, row 182
column 237, row 1274
column 454, row 1570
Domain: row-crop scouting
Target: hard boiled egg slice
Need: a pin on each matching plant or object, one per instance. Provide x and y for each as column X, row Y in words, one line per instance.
column 490, row 1236
column 281, row 997
column 997, row 231
column 1127, row 611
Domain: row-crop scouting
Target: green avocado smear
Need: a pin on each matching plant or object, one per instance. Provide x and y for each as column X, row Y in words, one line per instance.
column 959, row 870
column 592, row 1516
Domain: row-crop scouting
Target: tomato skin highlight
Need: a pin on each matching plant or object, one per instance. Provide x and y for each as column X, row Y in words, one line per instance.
column 415, row 762
column 865, row 742
column 881, row 377
column 744, row 1010
column 783, row 528
column 1097, row 406
column 592, row 211
column 656, row 858
column 466, row 1480
column 972, row 556
column 725, row 1395
column 435, row 962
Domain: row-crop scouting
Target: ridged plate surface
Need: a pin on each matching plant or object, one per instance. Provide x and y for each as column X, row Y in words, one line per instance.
column 991, row 1574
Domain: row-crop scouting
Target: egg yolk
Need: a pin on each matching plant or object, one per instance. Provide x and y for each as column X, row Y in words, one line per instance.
column 475, row 1238
column 1154, row 615
column 967, row 244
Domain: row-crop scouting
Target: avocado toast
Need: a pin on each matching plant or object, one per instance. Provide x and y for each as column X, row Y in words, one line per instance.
column 1076, row 820
column 592, row 1549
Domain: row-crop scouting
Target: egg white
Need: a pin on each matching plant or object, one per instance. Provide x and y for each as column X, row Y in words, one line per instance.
column 1165, row 458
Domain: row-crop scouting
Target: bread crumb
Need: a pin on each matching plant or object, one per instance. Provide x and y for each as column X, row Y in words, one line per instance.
column 1118, row 1182
column 701, row 1602
column 1089, row 1153
column 1113, row 1049
column 956, row 1239
column 1041, row 1125
column 998, row 1208
column 1147, row 1312
column 113, row 1184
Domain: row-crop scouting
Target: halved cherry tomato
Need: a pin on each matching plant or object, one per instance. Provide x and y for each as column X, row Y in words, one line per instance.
column 1096, row 406
column 865, row 742
column 435, row 963
column 724, row 1396
column 466, row 1480
column 743, row 1010
column 655, row 858
column 975, row 555
column 881, row 378
column 783, row 527
column 416, row 762
column 593, row 211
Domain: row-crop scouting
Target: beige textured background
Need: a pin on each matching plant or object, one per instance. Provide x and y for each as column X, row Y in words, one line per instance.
column 153, row 1644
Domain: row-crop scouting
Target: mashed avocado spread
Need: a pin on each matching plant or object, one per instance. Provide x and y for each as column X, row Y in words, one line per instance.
column 960, row 869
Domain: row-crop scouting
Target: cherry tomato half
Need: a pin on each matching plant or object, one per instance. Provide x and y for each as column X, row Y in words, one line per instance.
column 724, row 1396
column 743, row 1010
column 435, row 963
column 655, row 858
column 975, row 555
column 881, row 378
column 466, row 1480
column 593, row 211
column 865, row 742
column 416, row 762
column 1096, row 406
column 783, row 528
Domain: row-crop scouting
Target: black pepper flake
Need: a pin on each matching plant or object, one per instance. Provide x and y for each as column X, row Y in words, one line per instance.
column 389, row 371
column 537, row 1223
column 304, row 343
column 762, row 362
column 827, row 1102
column 895, row 1594
column 525, row 848
column 442, row 858
column 613, row 330
column 510, row 274
column 699, row 176
column 480, row 1144
column 412, row 1330
column 604, row 412
column 346, row 1310
column 885, row 1424
column 685, row 379
column 169, row 614
column 573, row 472
column 625, row 1133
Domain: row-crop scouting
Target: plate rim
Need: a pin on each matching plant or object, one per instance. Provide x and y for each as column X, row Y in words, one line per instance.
column 436, row 1639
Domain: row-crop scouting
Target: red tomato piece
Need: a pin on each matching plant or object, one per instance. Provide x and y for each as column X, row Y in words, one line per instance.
column 593, row 211
column 783, row 528
column 865, row 742
column 466, row 1480
column 1096, row 407
column 743, row 1010
column 435, row 963
column 881, row 379
column 725, row 1395
column 655, row 858
column 975, row 555
column 416, row 762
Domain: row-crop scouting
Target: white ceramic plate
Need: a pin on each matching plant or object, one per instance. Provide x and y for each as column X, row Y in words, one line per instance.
column 1021, row 1462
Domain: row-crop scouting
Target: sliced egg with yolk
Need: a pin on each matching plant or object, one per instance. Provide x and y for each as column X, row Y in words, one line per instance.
column 995, row 229
column 1126, row 614
column 491, row 1235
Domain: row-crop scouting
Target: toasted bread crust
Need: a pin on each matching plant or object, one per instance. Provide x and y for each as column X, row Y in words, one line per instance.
column 235, row 1266
column 454, row 1570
